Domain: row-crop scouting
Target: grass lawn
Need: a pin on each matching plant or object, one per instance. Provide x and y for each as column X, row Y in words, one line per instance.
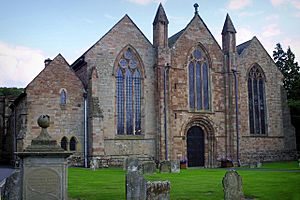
column 85, row 184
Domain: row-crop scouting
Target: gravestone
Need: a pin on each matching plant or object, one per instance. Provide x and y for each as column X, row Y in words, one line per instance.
column 232, row 186
column 165, row 167
column 131, row 164
column 44, row 167
column 299, row 162
column 158, row 190
column 12, row 187
column 175, row 166
column 136, row 186
column 258, row 164
column 149, row 167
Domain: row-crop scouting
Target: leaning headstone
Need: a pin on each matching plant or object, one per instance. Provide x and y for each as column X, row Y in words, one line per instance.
column 175, row 166
column 12, row 187
column 44, row 167
column 136, row 186
column 232, row 186
column 165, row 167
column 131, row 163
column 149, row 167
column 158, row 190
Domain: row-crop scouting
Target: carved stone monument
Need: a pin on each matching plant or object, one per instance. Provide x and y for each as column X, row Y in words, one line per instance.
column 232, row 186
column 44, row 167
column 149, row 167
column 131, row 164
column 175, row 166
column 136, row 186
column 165, row 167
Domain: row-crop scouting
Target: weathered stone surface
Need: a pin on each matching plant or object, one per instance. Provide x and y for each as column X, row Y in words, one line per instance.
column 136, row 186
column 149, row 167
column 131, row 164
column 12, row 187
column 165, row 166
column 175, row 166
column 232, row 186
column 158, row 190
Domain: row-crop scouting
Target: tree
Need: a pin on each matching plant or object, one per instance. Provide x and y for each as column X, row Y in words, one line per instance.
column 10, row 91
column 290, row 69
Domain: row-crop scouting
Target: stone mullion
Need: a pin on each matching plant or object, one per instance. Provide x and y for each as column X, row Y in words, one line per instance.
column 258, row 102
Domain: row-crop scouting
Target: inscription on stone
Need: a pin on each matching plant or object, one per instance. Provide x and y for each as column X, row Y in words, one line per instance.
column 43, row 183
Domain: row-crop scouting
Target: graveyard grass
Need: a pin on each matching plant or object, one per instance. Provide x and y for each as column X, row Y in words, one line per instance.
column 190, row 184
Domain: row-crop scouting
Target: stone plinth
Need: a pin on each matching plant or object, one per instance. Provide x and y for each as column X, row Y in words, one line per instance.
column 44, row 167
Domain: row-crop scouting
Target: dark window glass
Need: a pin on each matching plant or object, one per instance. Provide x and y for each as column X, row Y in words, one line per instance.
column 256, row 98
column 198, row 81
column 64, row 143
column 73, row 144
column 128, row 94
column 63, row 97
column 120, row 102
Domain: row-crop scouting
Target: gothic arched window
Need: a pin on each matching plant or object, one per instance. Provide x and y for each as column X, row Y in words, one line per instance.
column 63, row 97
column 128, row 94
column 64, row 143
column 73, row 143
column 256, row 99
column 198, row 70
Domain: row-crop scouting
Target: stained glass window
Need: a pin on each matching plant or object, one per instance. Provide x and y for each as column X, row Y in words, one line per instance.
column 256, row 99
column 198, row 81
column 128, row 94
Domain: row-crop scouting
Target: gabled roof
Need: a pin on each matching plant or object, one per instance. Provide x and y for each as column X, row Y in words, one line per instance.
column 241, row 47
column 126, row 17
column 173, row 39
column 160, row 16
column 228, row 26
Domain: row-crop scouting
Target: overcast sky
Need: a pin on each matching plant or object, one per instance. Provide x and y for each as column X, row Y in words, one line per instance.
column 33, row 30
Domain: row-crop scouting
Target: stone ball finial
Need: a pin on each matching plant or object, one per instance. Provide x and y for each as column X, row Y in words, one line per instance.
column 44, row 121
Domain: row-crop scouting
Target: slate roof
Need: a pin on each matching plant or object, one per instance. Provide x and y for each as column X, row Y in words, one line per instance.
column 175, row 37
column 240, row 48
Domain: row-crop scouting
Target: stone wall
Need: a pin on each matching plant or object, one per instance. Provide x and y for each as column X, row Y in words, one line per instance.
column 101, row 62
column 273, row 145
column 43, row 96
column 180, row 116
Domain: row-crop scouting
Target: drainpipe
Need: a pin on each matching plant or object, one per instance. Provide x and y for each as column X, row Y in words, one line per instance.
column 15, row 135
column 85, row 131
column 234, row 71
column 166, row 70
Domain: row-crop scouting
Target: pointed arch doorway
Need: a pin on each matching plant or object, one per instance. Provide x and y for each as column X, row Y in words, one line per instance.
column 195, row 147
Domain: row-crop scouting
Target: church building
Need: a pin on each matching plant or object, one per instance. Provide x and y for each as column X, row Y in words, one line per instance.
column 183, row 97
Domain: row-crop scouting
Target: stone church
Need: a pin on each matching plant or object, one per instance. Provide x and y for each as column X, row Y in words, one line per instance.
column 183, row 97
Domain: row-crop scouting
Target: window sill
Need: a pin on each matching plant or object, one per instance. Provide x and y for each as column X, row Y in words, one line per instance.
column 202, row 111
column 129, row 137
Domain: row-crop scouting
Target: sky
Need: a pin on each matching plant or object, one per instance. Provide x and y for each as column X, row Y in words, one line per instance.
column 31, row 30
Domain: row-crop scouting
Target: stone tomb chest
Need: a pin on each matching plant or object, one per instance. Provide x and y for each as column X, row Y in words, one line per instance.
column 44, row 167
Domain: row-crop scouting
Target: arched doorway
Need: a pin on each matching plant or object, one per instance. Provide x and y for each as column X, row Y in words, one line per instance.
column 195, row 147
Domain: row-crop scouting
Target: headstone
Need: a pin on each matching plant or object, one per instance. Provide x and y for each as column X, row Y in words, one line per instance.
column 258, row 164
column 175, row 166
column 136, row 186
column 165, row 167
column 12, row 187
column 149, row 167
column 158, row 190
column 44, row 167
column 299, row 162
column 131, row 164
column 232, row 186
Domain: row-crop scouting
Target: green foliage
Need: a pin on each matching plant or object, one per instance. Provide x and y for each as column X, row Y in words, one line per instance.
column 290, row 69
column 4, row 91
column 191, row 184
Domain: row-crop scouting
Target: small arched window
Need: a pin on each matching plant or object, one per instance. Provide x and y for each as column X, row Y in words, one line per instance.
column 128, row 94
column 63, row 97
column 73, row 143
column 198, row 70
column 256, row 99
column 64, row 143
